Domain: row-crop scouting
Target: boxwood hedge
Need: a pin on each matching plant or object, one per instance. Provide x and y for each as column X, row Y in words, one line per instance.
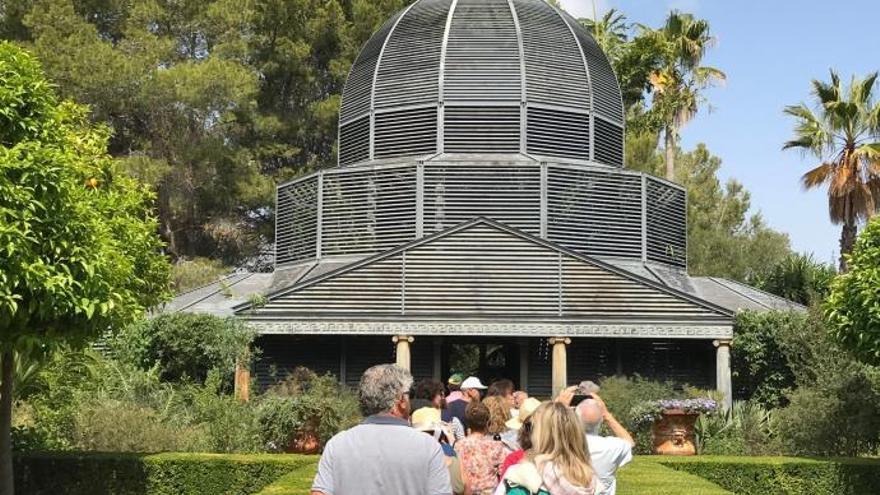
column 157, row 474
column 785, row 475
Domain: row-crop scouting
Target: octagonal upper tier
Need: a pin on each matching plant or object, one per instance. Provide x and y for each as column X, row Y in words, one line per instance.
column 481, row 76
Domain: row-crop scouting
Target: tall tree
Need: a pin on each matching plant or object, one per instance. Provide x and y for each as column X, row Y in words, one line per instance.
column 80, row 250
column 723, row 239
column 680, row 80
column 844, row 134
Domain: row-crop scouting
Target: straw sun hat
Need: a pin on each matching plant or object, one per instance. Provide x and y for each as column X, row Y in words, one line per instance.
column 525, row 410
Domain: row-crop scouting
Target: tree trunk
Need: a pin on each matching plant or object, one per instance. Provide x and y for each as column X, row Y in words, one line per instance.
column 848, row 234
column 6, row 375
column 670, row 153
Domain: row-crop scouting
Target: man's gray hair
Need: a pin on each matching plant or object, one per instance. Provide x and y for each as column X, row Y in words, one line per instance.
column 591, row 416
column 381, row 386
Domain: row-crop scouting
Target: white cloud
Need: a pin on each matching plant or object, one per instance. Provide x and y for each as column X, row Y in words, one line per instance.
column 584, row 8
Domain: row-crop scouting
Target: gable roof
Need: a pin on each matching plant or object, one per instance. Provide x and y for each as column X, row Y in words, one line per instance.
column 485, row 270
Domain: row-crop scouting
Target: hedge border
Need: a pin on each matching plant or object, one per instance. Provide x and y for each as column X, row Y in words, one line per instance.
column 150, row 474
column 784, row 475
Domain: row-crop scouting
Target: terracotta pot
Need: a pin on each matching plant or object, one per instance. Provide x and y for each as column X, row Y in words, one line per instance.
column 673, row 433
column 304, row 443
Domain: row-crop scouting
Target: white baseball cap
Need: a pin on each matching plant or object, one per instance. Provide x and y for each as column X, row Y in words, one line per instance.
column 472, row 382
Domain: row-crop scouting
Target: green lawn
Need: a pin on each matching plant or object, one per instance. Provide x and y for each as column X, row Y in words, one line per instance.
column 643, row 477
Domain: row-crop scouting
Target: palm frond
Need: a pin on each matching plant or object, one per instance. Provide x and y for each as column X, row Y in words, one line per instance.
column 818, row 175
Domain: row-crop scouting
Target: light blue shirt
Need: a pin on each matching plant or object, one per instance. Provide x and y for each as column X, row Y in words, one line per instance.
column 382, row 456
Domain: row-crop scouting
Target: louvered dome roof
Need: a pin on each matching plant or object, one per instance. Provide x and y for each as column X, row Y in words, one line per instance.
column 481, row 76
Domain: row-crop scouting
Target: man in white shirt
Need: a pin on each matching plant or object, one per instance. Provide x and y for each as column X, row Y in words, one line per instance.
column 606, row 453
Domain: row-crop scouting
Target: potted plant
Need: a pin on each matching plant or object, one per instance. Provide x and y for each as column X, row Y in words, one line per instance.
column 672, row 422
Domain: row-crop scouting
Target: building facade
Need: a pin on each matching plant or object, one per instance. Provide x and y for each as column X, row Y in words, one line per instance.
column 480, row 214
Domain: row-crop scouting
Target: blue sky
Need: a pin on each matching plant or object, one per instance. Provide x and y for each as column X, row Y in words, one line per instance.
column 770, row 51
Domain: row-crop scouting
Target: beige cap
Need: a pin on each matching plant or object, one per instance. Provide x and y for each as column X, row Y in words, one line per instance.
column 525, row 410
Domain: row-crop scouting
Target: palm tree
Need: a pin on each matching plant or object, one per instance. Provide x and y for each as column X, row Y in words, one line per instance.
column 610, row 32
column 844, row 134
column 679, row 82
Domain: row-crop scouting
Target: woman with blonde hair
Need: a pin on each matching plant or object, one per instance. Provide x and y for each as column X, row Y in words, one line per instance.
column 499, row 414
column 558, row 462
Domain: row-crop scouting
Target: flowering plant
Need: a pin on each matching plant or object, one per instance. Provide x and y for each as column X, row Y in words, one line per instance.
column 650, row 411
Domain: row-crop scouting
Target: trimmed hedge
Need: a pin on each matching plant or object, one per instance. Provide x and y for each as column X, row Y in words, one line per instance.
column 156, row 474
column 784, row 475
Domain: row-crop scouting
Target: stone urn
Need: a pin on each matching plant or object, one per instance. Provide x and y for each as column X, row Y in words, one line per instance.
column 304, row 442
column 673, row 433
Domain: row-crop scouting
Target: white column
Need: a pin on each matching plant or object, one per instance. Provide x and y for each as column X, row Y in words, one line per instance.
column 724, row 382
column 560, row 364
column 403, row 353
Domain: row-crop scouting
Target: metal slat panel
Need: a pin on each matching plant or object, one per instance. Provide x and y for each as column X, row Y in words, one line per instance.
column 557, row 133
column 485, row 272
column 587, row 294
column 555, row 72
column 406, row 132
column 409, row 70
column 359, row 85
column 606, row 91
column 354, row 141
column 455, row 193
column 666, row 223
column 481, row 129
column 482, row 54
column 368, row 210
column 608, row 141
column 594, row 212
column 296, row 222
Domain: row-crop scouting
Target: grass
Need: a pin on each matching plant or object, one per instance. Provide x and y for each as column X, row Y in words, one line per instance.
column 644, row 476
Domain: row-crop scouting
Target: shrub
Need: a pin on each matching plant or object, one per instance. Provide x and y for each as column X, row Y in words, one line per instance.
column 160, row 474
column 853, row 307
column 305, row 403
column 835, row 418
column 761, row 371
column 746, row 429
column 624, row 396
column 184, row 345
column 785, row 475
column 114, row 426
column 229, row 424
column 197, row 272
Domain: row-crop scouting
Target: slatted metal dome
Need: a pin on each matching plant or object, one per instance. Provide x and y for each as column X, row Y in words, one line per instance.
column 481, row 76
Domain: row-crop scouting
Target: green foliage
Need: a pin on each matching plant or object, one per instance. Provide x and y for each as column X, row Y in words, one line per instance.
column 209, row 101
column 798, row 278
column 121, row 426
column 306, row 403
column 80, row 252
column 853, row 307
column 746, row 429
column 160, row 474
column 197, row 272
column 784, row 475
column 723, row 241
column 840, row 416
column 184, row 345
column 624, row 397
column 761, row 370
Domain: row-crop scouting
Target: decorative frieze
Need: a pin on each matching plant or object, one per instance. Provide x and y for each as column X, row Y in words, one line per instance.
column 501, row 329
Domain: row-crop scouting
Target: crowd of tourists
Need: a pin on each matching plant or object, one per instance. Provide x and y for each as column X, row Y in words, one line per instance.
column 465, row 438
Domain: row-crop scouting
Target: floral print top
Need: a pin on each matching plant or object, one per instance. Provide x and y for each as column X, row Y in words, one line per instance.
column 480, row 458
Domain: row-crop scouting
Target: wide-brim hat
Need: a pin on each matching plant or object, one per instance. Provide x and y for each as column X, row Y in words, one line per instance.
column 525, row 410
column 472, row 382
column 428, row 419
